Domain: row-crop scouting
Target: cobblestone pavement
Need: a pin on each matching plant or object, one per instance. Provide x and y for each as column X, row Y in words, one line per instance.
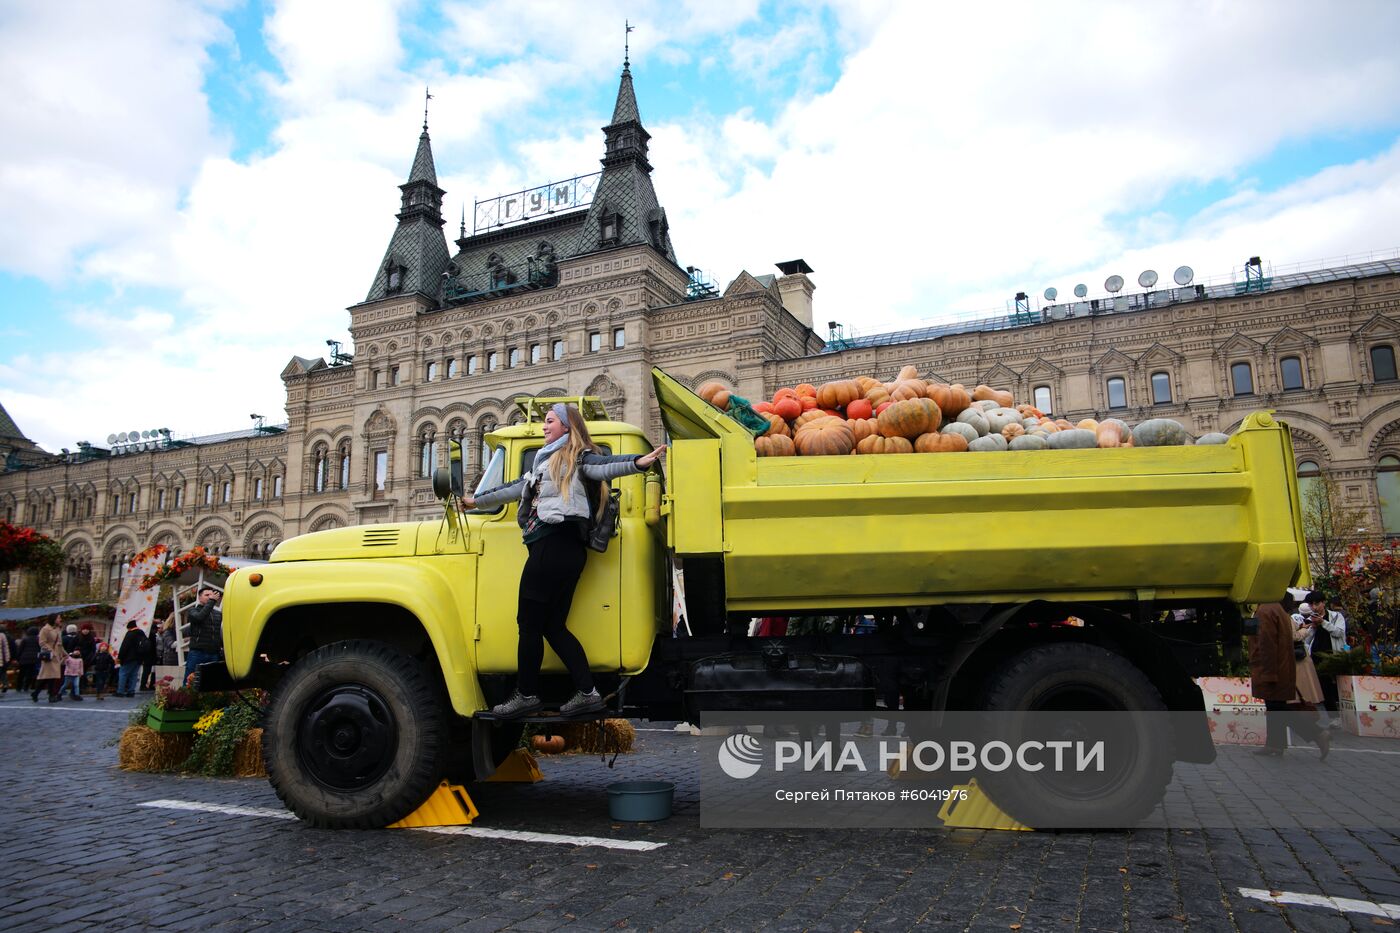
column 248, row 869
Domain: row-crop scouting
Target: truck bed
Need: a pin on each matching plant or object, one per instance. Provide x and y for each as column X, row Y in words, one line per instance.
column 1166, row 523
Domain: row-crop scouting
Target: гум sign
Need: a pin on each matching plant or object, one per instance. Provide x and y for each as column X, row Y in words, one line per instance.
column 534, row 202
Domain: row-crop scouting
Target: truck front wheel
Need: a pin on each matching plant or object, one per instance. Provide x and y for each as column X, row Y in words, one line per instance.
column 1058, row 684
column 353, row 738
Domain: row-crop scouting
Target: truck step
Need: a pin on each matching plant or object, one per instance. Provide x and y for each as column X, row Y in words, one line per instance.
column 549, row 716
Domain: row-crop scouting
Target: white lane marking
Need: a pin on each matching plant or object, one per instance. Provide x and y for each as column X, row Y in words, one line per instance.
column 1344, row 904
column 69, row 709
column 630, row 845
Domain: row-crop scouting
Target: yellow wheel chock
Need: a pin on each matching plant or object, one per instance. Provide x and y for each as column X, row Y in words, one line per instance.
column 449, row 805
column 976, row 812
column 519, row 767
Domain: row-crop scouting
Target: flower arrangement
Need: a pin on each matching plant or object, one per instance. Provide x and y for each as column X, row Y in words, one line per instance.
column 21, row 546
column 208, row 721
column 191, row 560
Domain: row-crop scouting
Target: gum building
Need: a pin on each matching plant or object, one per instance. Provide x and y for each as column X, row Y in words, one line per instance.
column 575, row 288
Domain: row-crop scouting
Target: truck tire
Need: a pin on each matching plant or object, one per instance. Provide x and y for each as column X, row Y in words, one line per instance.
column 353, row 737
column 505, row 738
column 1068, row 677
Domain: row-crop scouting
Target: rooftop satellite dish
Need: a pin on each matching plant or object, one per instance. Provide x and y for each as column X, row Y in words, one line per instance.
column 1081, row 290
column 1148, row 278
column 1114, row 283
column 145, row 435
column 1051, row 293
column 111, row 438
column 121, row 438
column 1183, row 275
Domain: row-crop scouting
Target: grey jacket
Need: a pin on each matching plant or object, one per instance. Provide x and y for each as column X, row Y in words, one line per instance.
column 206, row 627
column 550, row 506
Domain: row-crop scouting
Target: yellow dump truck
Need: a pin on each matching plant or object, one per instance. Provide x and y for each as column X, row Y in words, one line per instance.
column 1013, row 580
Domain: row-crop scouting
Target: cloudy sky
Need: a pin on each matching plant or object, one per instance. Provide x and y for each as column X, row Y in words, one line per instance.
column 192, row 192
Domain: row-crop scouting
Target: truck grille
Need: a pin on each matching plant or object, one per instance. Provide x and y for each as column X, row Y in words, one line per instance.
column 381, row 537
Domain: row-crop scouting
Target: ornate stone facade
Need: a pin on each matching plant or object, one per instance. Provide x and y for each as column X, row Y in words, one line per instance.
column 430, row 365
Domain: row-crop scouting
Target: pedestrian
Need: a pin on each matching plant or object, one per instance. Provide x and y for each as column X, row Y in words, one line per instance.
column 87, row 647
column 1332, row 626
column 206, row 631
column 148, row 661
column 70, row 638
column 1309, row 687
column 6, row 654
column 27, row 659
column 169, row 654
column 554, row 514
column 72, row 676
column 129, row 655
column 102, row 667
column 1273, row 676
column 51, row 658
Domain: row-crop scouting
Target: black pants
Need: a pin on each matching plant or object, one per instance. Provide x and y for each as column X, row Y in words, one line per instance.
column 28, row 673
column 547, row 587
column 148, row 677
column 1279, row 717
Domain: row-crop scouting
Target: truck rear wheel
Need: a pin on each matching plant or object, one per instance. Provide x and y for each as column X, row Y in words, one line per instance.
column 1060, row 680
column 353, row 738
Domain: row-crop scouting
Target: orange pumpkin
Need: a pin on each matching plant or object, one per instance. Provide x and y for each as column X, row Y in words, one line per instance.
column 787, row 407
column 807, row 417
column 784, row 392
column 1088, row 424
column 763, row 408
column 806, row 388
column 807, row 402
column 1063, row 425
column 877, row 394
column 547, row 744
column 952, row 400
column 910, row 418
column 837, row 394
column 824, row 437
column 774, row 445
column 716, row 393
column 935, row 443
column 1012, row 430
column 882, row 406
column 776, row 425
column 866, row 383
column 906, row 373
column 863, row 427
column 985, row 393
column 860, row 408
column 878, row 444
column 1113, row 433
column 909, row 388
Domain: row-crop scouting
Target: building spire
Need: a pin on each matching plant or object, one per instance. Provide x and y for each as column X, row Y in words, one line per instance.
column 626, row 46
column 417, row 252
column 426, row 97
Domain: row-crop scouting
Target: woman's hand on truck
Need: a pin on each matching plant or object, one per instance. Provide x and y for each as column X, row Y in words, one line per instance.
column 466, row 504
column 645, row 461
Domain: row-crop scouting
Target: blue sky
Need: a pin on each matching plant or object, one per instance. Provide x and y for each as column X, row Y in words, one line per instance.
column 194, row 192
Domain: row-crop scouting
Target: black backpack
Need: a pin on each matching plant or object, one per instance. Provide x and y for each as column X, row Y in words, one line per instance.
column 604, row 506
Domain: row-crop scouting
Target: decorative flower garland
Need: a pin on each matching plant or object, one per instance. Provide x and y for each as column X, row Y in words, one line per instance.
column 191, row 560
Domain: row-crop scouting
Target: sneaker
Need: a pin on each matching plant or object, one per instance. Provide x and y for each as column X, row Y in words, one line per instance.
column 589, row 702
column 518, row 705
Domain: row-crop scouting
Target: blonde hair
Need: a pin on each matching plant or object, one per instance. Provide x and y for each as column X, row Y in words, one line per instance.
column 564, row 463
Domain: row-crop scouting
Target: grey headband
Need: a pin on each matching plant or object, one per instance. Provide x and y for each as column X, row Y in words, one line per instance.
column 561, row 411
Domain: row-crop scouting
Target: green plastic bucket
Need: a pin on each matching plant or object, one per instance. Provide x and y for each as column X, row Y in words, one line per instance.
column 640, row 801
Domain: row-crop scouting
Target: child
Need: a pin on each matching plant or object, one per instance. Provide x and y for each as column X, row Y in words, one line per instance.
column 72, row 676
column 102, row 667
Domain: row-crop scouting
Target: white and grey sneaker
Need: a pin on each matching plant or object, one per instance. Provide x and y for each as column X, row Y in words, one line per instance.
column 589, row 702
column 517, row 705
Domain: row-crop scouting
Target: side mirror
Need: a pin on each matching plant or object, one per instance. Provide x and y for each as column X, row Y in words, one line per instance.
column 448, row 481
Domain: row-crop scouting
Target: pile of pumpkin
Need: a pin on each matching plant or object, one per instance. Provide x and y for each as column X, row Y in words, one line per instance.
column 912, row 415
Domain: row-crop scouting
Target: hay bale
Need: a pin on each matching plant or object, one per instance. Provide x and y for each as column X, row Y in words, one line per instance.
column 143, row 749
column 247, row 757
column 603, row 737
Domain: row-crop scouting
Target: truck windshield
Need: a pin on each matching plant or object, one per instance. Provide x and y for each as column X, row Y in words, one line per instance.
column 494, row 475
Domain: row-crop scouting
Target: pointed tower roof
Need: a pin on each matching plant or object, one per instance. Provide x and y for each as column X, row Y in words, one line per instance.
column 8, row 429
column 625, row 210
column 417, row 254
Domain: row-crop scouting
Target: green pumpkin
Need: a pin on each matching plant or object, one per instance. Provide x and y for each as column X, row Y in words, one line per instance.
column 1159, row 432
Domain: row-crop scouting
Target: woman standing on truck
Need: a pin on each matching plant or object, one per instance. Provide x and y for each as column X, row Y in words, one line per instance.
column 554, row 513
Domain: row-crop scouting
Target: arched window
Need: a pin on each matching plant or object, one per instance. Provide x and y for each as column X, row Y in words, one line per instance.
column 1308, row 475
column 486, row 428
column 344, row 470
column 1388, row 492
column 1242, row 379
column 1161, row 389
column 1042, row 399
column 430, row 372
column 451, row 367
column 1117, row 392
column 1291, row 371
column 1383, row 363
column 428, row 452
column 319, row 476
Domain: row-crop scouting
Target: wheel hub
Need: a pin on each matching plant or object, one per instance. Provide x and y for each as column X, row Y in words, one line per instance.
column 347, row 737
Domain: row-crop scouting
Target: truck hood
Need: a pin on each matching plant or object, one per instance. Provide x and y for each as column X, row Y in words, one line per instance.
column 353, row 543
